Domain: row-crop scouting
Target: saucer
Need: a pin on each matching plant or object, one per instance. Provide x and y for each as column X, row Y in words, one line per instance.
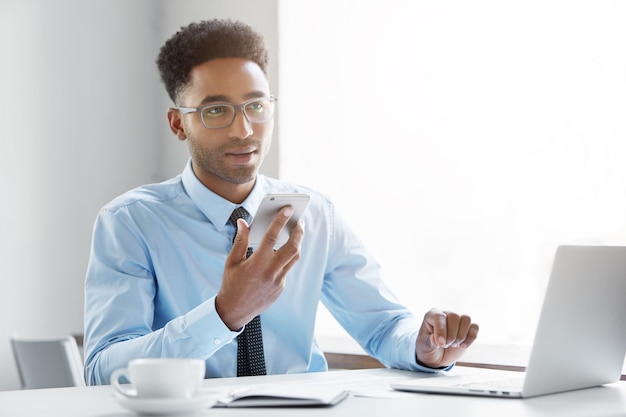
column 162, row 406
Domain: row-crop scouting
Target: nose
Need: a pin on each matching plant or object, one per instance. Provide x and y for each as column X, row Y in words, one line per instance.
column 240, row 127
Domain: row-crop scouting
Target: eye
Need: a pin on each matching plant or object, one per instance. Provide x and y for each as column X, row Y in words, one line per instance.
column 215, row 111
column 256, row 106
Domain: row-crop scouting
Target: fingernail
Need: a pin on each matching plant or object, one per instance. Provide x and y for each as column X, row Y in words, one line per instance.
column 288, row 211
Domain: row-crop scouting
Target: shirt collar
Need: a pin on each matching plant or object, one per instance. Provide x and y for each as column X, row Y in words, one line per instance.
column 216, row 208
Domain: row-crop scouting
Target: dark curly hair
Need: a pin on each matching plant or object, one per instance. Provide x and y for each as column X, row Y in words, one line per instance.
column 202, row 41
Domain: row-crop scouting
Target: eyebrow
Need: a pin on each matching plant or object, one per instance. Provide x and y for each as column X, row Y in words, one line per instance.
column 224, row 99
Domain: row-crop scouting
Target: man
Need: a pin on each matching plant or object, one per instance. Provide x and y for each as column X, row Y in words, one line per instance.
column 166, row 279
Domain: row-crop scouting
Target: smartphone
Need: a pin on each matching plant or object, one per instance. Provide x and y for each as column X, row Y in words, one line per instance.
column 269, row 208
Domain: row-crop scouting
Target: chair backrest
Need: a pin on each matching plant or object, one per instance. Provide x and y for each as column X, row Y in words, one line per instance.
column 48, row 363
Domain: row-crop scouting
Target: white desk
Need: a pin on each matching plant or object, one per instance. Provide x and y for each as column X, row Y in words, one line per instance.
column 371, row 397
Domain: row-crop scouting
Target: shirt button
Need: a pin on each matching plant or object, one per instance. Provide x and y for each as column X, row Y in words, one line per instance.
column 217, row 341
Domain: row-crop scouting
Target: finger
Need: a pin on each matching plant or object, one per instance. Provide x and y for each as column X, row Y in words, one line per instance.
column 436, row 319
column 290, row 252
column 273, row 231
column 472, row 334
column 464, row 326
column 466, row 331
column 458, row 327
column 452, row 327
column 240, row 244
column 292, row 247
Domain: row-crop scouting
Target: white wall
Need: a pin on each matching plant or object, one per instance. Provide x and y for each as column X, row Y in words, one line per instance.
column 484, row 132
column 82, row 119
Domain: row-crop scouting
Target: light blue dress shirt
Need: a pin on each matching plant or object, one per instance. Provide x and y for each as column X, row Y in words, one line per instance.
column 156, row 264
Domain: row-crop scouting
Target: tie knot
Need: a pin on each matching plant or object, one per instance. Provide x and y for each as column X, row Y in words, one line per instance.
column 238, row 213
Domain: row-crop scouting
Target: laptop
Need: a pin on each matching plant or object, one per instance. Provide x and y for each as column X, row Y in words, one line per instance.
column 580, row 340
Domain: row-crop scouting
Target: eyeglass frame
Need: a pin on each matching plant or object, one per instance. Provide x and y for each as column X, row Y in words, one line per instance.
column 236, row 108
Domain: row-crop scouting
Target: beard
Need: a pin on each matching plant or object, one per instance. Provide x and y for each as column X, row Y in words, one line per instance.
column 212, row 161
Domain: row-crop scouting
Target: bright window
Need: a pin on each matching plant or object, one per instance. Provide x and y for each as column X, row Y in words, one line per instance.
column 478, row 134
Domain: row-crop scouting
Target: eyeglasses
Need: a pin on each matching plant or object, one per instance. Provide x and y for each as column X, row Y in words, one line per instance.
column 213, row 116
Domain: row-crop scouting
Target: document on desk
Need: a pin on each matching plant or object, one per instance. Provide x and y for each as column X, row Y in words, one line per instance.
column 283, row 395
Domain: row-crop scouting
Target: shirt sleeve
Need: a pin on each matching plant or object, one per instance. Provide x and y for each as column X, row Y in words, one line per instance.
column 356, row 295
column 120, row 290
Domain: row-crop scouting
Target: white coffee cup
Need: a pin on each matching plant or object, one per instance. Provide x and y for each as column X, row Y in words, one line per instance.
column 160, row 378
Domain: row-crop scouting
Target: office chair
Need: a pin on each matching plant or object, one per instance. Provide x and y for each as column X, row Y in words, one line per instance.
column 48, row 363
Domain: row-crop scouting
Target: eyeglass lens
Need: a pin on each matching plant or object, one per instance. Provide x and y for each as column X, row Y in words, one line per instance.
column 220, row 115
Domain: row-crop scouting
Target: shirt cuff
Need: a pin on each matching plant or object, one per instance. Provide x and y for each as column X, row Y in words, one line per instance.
column 425, row 368
column 205, row 326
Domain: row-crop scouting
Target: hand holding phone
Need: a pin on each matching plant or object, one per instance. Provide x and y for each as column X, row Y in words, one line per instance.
column 269, row 208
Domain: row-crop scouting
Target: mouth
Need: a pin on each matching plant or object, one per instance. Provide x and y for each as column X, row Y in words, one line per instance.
column 241, row 156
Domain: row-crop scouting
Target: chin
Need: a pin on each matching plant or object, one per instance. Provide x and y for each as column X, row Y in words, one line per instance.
column 243, row 178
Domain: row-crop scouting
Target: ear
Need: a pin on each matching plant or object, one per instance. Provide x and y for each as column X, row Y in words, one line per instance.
column 175, row 119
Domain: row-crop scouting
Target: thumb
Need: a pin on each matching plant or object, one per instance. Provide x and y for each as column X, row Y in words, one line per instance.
column 240, row 244
column 436, row 323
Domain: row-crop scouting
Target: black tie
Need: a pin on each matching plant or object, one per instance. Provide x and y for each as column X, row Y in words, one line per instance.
column 250, row 358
